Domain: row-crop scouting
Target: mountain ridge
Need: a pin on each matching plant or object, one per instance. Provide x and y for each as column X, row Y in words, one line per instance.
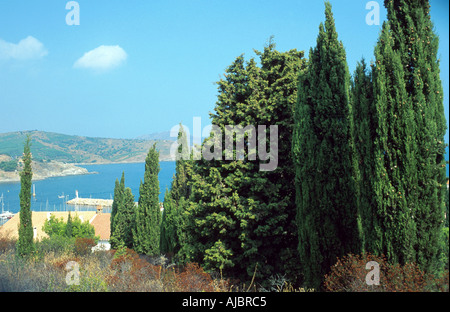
column 52, row 146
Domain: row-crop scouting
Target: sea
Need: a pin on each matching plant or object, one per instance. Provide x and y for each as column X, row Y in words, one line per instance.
column 53, row 193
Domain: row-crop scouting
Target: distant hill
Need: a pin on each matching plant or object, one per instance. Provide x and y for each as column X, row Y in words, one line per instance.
column 157, row 136
column 49, row 146
column 165, row 136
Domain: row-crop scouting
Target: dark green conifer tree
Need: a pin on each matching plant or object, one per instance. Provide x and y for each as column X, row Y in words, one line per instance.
column 69, row 227
column 364, row 135
column 326, row 193
column 146, row 234
column 394, row 169
column 172, row 219
column 240, row 220
column 168, row 225
column 119, row 190
column 125, row 221
column 410, row 166
column 25, row 244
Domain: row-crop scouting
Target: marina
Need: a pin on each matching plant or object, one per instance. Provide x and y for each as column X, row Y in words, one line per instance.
column 95, row 202
column 83, row 192
column 5, row 215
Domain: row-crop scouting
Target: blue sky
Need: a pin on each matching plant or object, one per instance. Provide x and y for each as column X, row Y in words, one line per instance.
column 137, row 67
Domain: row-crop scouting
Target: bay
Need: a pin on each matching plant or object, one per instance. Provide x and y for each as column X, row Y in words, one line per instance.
column 99, row 185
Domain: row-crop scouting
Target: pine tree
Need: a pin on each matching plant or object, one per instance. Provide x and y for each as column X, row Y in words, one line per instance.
column 409, row 155
column 240, row 218
column 146, row 234
column 327, row 215
column 25, row 244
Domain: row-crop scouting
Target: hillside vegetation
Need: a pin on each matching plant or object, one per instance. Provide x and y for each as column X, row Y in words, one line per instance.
column 49, row 146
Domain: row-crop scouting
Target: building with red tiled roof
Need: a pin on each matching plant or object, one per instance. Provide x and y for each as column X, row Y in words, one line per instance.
column 100, row 221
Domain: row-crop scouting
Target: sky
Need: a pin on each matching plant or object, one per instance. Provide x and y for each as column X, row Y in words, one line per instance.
column 123, row 69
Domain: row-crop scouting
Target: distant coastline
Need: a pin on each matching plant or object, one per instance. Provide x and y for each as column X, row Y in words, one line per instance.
column 117, row 162
column 42, row 171
column 58, row 169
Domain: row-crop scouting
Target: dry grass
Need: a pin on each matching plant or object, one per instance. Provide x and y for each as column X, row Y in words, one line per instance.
column 125, row 271
column 100, row 271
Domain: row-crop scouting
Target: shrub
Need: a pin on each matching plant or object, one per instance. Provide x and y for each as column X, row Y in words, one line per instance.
column 20, row 275
column 56, row 244
column 193, row 279
column 89, row 282
column 349, row 275
column 57, row 227
column 130, row 273
column 83, row 245
column 6, row 242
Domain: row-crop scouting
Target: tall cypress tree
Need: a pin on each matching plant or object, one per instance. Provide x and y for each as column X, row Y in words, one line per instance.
column 364, row 135
column 410, row 165
column 180, row 187
column 394, row 169
column 69, row 226
column 25, row 244
column 125, row 221
column 168, row 233
column 119, row 190
column 174, row 198
column 146, row 234
column 327, row 215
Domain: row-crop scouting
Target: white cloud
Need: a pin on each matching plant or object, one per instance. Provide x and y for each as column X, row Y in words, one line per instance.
column 102, row 58
column 27, row 49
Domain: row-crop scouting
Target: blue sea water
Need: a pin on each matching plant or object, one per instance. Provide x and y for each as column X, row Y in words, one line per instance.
column 98, row 185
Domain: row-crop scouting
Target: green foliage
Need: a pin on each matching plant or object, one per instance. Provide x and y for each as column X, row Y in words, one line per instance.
column 326, row 191
column 83, row 245
column 236, row 215
column 55, row 244
column 119, row 191
column 8, row 166
column 77, row 149
column 409, row 166
column 69, row 227
column 124, row 221
column 444, row 251
column 218, row 256
column 54, row 226
column 447, row 216
column 25, row 244
column 364, row 115
column 174, row 200
column 79, row 229
column 169, row 239
column 146, row 234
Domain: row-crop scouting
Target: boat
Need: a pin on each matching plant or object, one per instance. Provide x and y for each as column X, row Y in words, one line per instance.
column 5, row 215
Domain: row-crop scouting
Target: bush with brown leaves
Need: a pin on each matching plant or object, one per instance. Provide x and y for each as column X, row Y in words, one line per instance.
column 349, row 275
